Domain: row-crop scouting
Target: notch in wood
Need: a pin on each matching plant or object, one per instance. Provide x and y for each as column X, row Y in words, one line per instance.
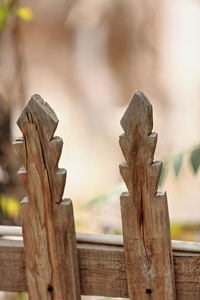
column 145, row 219
column 47, row 220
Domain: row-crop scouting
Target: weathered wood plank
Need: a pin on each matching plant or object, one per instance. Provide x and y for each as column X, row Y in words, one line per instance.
column 187, row 270
column 102, row 270
column 12, row 266
column 47, row 220
column 145, row 220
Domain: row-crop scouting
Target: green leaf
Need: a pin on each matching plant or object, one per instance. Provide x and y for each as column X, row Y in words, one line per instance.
column 3, row 15
column 112, row 193
column 24, row 13
column 22, row 296
column 195, row 159
column 163, row 174
column 177, row 163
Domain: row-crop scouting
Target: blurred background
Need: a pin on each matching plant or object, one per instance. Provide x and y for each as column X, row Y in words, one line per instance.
column 86, row 59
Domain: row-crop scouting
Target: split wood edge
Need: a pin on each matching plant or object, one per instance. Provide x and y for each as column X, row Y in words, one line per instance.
column 145, row 219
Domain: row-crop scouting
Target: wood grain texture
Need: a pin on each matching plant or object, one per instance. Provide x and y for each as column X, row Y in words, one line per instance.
column 145, row 220
column 12, row 266
column 102, row 270
column 47, row 220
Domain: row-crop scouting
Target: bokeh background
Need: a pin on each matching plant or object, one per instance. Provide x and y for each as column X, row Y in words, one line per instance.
column 86, row 58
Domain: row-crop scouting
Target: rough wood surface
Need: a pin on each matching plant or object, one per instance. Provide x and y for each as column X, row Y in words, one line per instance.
column 102, row 270
column 47, row 220
column 145, row 219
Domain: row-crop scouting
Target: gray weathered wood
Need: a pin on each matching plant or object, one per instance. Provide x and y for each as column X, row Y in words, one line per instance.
column 145, row 220
column 102, row 270
column 47, row 220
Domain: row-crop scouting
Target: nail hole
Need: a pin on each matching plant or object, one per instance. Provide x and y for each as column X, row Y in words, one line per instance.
column 50, row 288
column 148, row 291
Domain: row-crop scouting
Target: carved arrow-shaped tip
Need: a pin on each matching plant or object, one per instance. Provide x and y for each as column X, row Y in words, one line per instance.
column 138, row 115
column 39, row 112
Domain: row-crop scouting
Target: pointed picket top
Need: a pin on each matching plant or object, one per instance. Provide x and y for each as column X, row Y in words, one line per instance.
column 38, row 123
column 138, row 141
column 138, row 115
column 37, row 111
column 145, row 217
column 47, row 220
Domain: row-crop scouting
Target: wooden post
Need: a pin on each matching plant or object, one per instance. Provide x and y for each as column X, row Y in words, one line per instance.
column 47, row 220
column 145, row 220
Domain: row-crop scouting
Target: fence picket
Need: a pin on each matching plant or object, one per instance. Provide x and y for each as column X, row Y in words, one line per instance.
column 47, row 220
column 145, row 220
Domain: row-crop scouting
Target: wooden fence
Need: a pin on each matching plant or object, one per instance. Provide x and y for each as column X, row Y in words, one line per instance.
column 53, row 262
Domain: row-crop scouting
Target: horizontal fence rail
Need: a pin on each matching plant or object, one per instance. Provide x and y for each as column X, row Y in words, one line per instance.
column 101, row 266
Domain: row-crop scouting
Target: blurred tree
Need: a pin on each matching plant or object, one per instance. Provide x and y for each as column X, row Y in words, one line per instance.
column 11, row 92
column 7, row 179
